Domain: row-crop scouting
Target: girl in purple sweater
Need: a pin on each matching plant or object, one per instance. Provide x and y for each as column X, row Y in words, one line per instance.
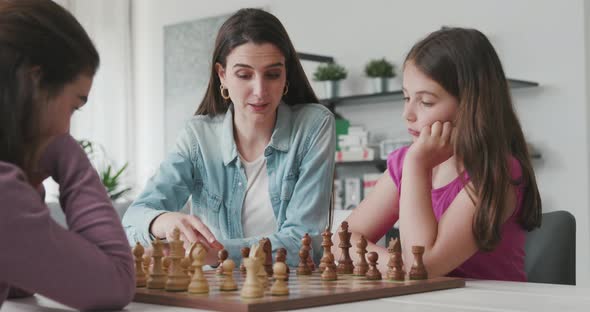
column 47, row 63
column 465, row 189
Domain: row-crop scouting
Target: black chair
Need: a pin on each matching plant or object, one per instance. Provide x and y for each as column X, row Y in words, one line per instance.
column 551, row 250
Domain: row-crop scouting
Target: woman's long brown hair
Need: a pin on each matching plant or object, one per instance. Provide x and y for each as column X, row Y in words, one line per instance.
column 36, row 35
column 465, row 64
column 257, row 26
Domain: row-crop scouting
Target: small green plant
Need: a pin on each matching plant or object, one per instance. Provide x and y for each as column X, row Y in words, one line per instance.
column 380, row 68
column 110, row 178
column 329, row 71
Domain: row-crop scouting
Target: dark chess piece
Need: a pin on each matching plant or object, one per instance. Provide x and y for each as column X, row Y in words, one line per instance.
column 267, row 250
column 245, row 252
column 328, row 256
column 345, row 265
column 396, row 265
column 306, row 243
column 418, row 271
column 373, row 273
column 221, row 256
column 303, row 268
column 281, row 256
column 361, row 267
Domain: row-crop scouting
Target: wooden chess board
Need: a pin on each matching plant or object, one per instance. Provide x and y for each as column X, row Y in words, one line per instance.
column 305, row 292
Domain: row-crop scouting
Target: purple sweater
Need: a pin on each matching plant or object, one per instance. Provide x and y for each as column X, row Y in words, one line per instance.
column 89, row 266
column 506, row 262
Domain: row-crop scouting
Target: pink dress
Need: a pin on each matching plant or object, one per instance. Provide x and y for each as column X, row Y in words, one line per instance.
column 506, row 261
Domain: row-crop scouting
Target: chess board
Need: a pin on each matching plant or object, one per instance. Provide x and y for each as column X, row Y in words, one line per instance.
column 304, row 292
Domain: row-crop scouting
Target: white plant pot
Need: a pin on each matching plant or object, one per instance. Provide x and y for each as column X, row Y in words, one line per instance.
column 380, row 84
column 332, row 88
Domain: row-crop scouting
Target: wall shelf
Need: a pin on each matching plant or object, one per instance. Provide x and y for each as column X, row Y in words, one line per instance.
column 398, row 95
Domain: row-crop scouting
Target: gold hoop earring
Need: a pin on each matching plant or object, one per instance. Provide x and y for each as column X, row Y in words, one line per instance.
column 286, row 88
column 223, row 95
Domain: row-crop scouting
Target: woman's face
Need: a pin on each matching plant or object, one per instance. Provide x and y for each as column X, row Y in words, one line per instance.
column 255, row 77
column 56, row 118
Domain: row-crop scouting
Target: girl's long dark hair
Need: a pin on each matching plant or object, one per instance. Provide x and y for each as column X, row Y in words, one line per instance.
column 257, row 26
column 36, row 36
column 465, row 64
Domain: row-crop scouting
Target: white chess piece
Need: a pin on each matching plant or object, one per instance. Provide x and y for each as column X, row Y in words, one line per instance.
column 199, row 284
column 228, row 272
column 252, row 288
column 279, row 288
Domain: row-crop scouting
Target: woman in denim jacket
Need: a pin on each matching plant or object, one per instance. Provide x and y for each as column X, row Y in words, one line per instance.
column 256, row 160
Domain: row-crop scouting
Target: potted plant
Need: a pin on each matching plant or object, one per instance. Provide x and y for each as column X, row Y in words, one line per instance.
column 380, row 70
column 110, row 176
column 330, row 74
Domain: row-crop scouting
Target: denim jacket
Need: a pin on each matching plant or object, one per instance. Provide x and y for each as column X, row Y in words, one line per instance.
column 205, row 167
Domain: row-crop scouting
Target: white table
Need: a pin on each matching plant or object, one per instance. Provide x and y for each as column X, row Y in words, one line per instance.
column 478, row 295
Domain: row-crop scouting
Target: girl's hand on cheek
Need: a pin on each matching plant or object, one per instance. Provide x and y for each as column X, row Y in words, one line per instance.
column 433, row 146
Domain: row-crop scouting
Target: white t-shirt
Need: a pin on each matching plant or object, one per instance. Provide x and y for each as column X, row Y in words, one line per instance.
column 258, row 218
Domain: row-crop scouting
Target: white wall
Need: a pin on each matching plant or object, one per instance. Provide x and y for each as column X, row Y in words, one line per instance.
column 543, row 41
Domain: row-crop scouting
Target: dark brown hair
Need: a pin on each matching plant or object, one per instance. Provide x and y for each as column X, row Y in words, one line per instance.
column 257, row 26
column 36, row 35
column 465, row 64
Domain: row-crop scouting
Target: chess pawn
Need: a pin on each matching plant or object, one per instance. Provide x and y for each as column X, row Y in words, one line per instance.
column 267, row 255
column 361, row 266
column 302, row 268
column 282, row 257
column 157, row 276
column 245, row 251
column 418, row 271
column 198, row 283
column 373, row 273
column 345, row 265
column 327, row 245
column 279, row 288
column 228, row 271
column 252, row 287
column 221, row 256
column 140, row 277
column 396, row 265
column 306, row 243
column 329, row 273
